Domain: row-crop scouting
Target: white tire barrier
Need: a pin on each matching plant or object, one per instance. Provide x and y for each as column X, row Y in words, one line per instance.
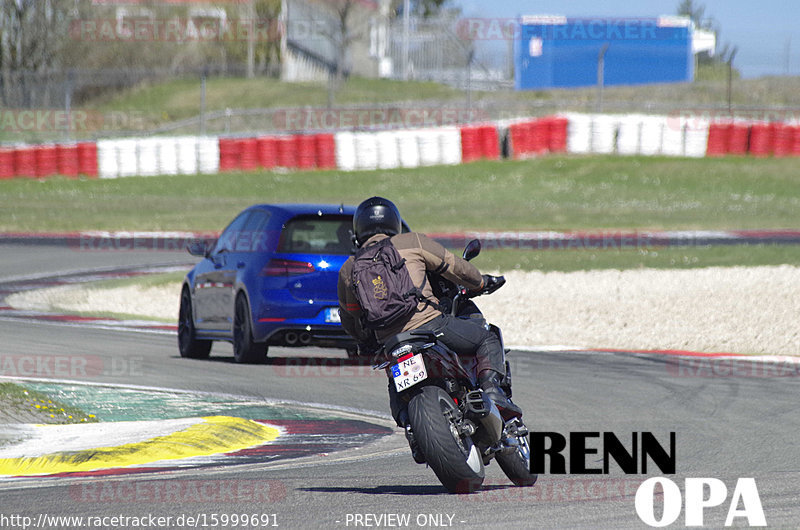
column 450, row 145
column 652, row 135
column 107, row 159
column 430, row 151
column 167, row 156
column 579, row 133
column 388, row 150
column 672, row 139
column 128, row 157
column 187, row 154
column 629, row 134
column 345, row 150
column 148, row 157
column 604, row 132
column 696, row 139
column 207, row 155
column 366, row 146
column 408, row 148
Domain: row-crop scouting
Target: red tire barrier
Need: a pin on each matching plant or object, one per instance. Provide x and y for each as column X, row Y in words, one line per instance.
column 518, row 140
column 540, row 136
column 25, row 162
column 229, row 154
column 67, row 160
column 87, row 159
column 326, row 151
column 6, row 163
column 489, row 141
column 248, row 153
column 739, row 139
column 796, row 140
column 46, row 160
column 470, row 144
column 762, row 139
column 559, row 130
column 287, row 152
column 267, row 152
column 784, row 140
column 306, row 149
column 719, row 139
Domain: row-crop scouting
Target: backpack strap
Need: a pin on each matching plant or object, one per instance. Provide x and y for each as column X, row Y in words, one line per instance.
column 417, row 292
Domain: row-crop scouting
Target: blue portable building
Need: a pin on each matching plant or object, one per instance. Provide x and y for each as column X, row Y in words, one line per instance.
column 556, row 51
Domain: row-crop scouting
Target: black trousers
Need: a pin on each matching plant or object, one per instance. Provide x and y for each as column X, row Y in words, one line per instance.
column 464, row 336
column 469, row 337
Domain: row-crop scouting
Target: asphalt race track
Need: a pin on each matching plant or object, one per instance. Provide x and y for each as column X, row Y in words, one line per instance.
column 730, row 421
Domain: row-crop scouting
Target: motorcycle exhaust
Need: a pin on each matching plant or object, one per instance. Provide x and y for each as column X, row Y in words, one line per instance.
column 482, row 409
column 305, row 338
column 290, row 338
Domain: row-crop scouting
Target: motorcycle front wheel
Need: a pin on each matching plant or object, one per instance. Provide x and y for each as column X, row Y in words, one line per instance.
column 453, row 457
column 517, row 465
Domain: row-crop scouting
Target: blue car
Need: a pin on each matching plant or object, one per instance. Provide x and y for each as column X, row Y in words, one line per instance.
column 269, row 279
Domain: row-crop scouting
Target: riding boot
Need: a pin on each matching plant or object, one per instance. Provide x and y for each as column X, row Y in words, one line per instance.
column 489, row 381
column 402, row 420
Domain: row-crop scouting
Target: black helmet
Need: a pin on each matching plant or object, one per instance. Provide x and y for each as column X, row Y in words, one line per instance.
column 376, row 215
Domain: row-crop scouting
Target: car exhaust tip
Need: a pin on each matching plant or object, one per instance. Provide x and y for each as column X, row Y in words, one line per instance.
column 290, row 338
column 305, row 339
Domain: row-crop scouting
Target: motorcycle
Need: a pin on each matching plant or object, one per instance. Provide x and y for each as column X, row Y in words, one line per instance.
column 458, row 429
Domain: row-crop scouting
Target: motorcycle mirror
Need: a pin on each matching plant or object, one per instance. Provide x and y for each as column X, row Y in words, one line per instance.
column 472, row 249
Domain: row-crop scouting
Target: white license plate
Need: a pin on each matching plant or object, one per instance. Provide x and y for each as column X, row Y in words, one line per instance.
column 409, row 372
column 332, row 315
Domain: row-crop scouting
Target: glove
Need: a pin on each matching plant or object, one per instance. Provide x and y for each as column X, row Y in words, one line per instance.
column 492, row 283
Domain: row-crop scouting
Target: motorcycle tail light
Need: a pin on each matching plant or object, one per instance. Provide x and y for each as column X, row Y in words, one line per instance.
column 402, row 350
column 286, row 267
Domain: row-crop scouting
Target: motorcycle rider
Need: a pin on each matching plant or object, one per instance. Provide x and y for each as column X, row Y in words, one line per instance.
column 378, row 218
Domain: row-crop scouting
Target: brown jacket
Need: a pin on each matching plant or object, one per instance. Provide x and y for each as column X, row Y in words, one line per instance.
column 422, row 255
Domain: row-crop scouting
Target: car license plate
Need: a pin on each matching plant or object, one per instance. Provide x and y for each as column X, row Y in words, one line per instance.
column 409, row 372
column 332, row 315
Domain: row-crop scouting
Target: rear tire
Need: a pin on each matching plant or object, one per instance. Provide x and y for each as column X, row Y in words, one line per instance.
column 517, row 465
column 454, row 458
column 188, row 343
column 245, row 349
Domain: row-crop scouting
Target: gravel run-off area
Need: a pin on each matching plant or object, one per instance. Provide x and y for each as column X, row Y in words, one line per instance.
column 731, row 309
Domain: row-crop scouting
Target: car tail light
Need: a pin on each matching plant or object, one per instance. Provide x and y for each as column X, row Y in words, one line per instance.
column 286, row 267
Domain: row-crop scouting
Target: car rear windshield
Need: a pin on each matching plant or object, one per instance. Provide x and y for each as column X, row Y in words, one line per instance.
column 317, row 235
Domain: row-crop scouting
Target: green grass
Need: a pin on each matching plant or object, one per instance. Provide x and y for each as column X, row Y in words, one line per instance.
column 549, row 193
column 653, row 258
column 17, row 399
column 180, row 98
column 144, row 281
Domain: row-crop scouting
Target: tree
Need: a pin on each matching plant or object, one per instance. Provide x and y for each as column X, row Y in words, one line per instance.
column 697, row 13
column 422, row 8
column 31, row 33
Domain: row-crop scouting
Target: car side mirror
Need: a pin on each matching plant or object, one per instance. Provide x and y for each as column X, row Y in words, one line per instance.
column 472, row 249
column 198, row 248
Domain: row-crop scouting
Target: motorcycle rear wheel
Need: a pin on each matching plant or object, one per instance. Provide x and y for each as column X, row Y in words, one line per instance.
column 454, row 458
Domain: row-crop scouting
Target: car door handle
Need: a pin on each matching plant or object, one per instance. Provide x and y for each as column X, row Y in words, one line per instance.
column 240, row 265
